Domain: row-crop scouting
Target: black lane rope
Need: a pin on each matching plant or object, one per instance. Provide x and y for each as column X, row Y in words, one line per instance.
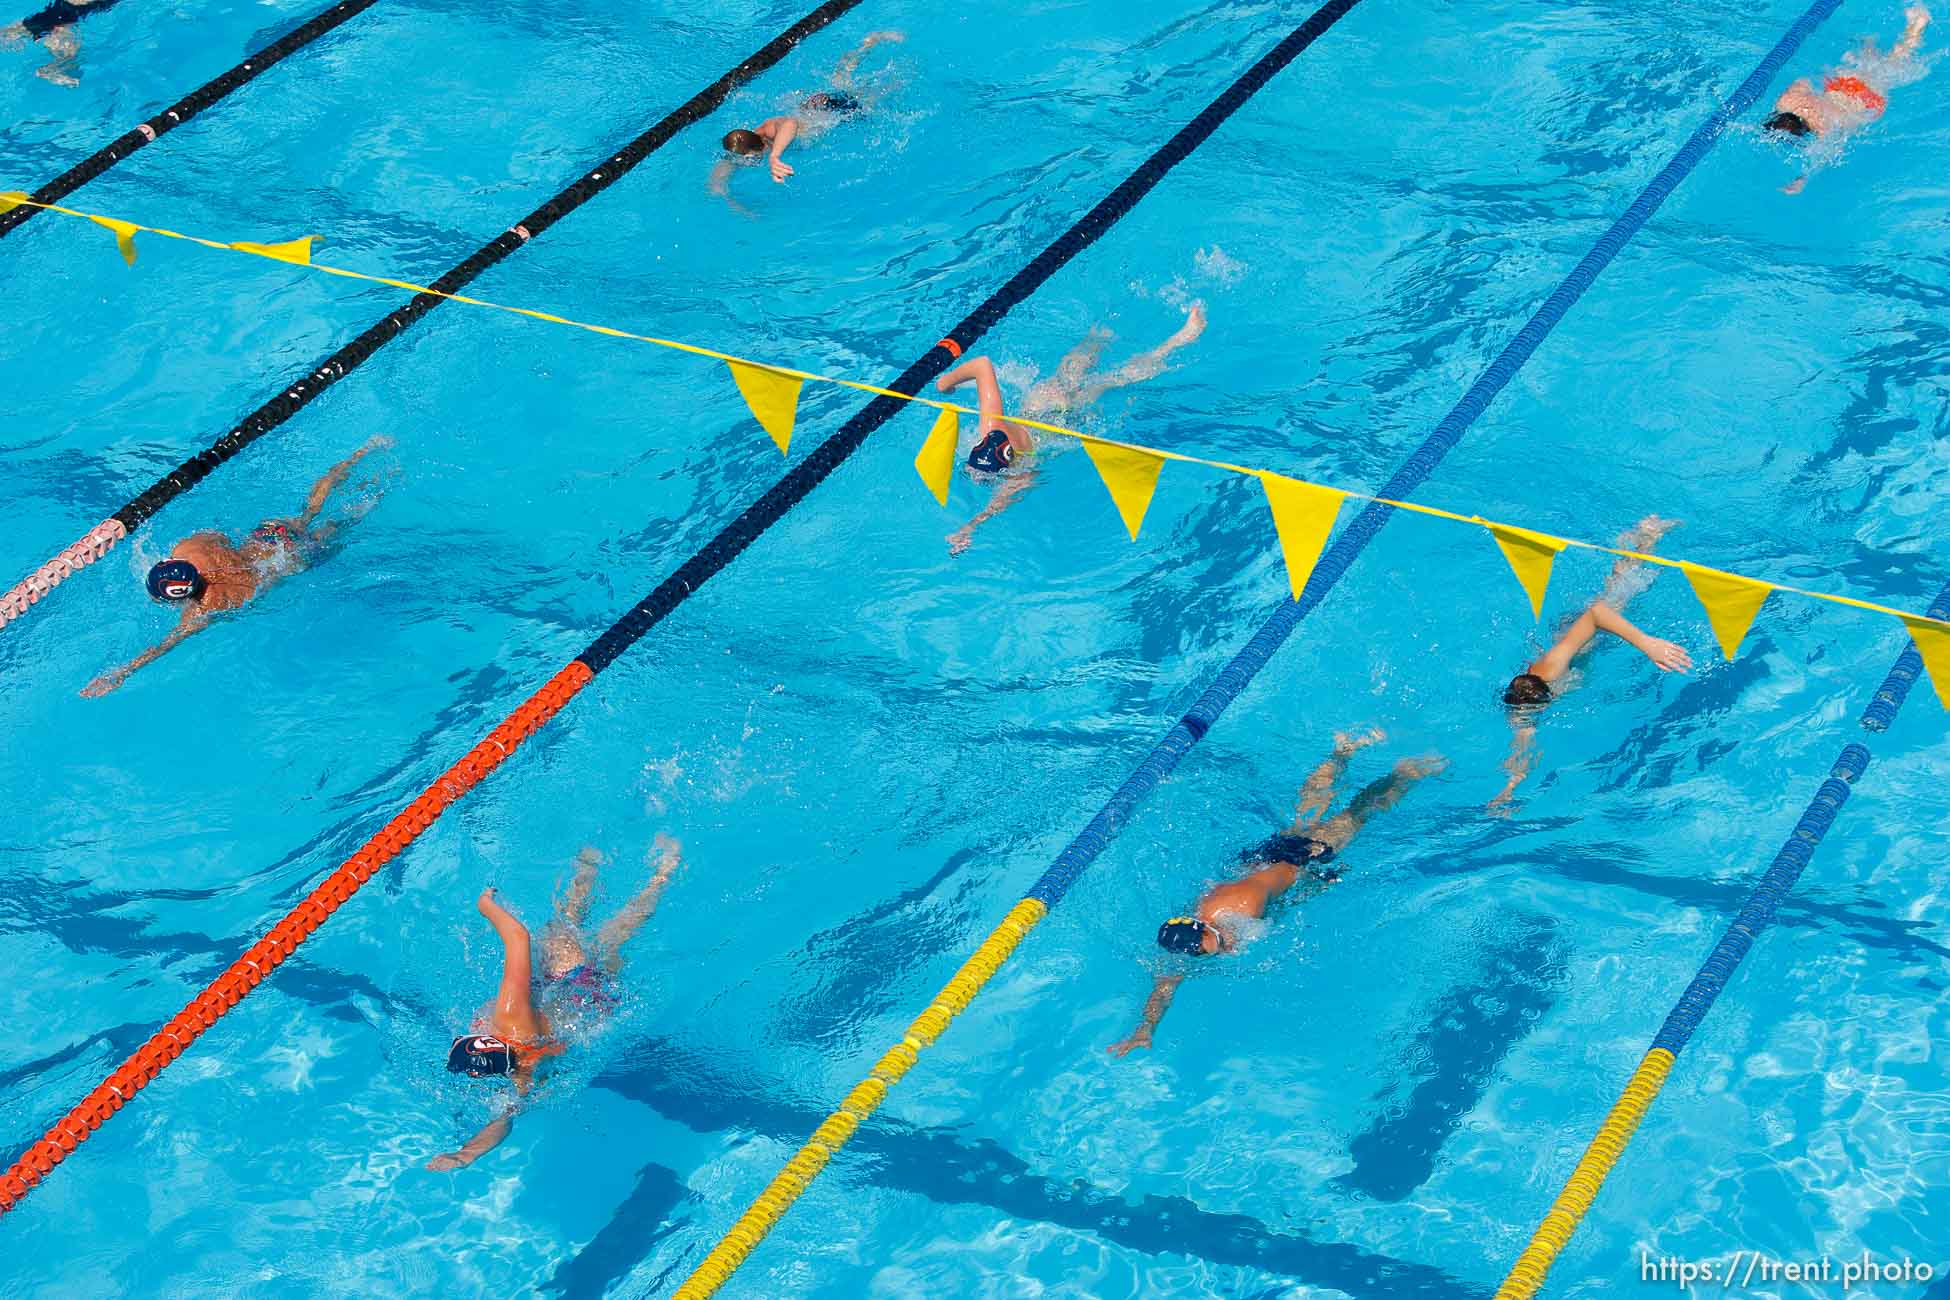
column 97, row 541
column 829, row 455
column 183, row 110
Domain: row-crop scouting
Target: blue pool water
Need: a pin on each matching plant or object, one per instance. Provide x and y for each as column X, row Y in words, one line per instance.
column 870, row 749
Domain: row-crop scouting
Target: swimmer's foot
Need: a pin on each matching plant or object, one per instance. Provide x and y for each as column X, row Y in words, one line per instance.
column 1347, row 743
column 1645, row 534
column 668, row 851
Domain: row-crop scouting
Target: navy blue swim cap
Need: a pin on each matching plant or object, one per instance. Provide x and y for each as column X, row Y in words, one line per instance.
column 176, row 580
column 993, row 453
column 480, row 1054
column 1184, row 934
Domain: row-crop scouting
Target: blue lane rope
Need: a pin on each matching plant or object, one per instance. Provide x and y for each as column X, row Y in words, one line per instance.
column 1793, row 859
column 1091, row 841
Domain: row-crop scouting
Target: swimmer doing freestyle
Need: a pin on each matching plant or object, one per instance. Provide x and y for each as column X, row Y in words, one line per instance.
column 207, row 575
column 528, row 1023
column 1850, row 96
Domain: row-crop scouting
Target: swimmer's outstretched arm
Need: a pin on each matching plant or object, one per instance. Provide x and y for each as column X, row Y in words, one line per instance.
column 193, row 621
column 492, row 1135
column 1005, row 496
column 1155, row 1007
column 1912, row 38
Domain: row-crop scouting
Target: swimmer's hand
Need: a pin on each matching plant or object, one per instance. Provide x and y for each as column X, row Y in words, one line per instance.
column 1140, row 1038
column 451, row 1160
column 488, row 904
column 1670, row 657
column 892, row 37
column 1795, row 186
column 780, row 170
column 103, row 685
column 960, row 539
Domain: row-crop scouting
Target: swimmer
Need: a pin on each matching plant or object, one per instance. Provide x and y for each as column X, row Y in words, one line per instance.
column 817, row 114
column 54, row 28
column 1537, row 685
column 1851, row 96
column 515, row 1033
column 1227, row 916
column 207, row 575
column 1076, row 386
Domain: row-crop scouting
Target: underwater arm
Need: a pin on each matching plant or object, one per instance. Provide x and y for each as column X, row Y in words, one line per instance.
column 1154, row 1010
column 1005, row 496
column 108, row 681
column 492, row 1135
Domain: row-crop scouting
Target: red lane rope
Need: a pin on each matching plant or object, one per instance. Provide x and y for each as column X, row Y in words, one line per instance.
column 264, row 956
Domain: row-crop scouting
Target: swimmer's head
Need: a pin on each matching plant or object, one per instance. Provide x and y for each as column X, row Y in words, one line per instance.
column 1527, row 689
column 1185, row 934
column 1791, row 123
column 176, row 580
column 480, row 1055
column 743, row 143
column 993, row 453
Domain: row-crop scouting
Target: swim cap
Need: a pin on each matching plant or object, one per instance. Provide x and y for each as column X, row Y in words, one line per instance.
column 993, row 453
column 1792, row 123
column 176, row 580
column 479, row 1055
column 1527, row 688
column 1184, row 934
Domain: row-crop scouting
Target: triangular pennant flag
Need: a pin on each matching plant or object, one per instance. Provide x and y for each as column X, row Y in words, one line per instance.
column 1731, row 602
column 11, row 199
column 1303, row 515
column 1130, row 474
column 773, row 397
column 295, row 250
column 936, row 463
column 124, row 235
column 1530, row 555
column 1933, row 643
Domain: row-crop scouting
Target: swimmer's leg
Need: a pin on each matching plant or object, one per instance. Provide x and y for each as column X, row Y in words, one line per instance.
column 65, row 46
column 619, row 929
column 329, row 482
column 1082, row 359
column 843, row 71
column 1629, row 577
column 562, row 949
column 1318, row 793
column 1147, row 365
column 1376, row 796
column 1912, row 37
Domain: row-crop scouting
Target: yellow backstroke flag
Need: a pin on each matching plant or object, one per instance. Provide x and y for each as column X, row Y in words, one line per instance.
column 773, row 397
column 295, row 250
column 11, row 199
column 124, row 235
column 936, row 463
column 1303, row 515
column 1130, row 474
column 1933, row 643
column 1731, row 602
column 1530, row 555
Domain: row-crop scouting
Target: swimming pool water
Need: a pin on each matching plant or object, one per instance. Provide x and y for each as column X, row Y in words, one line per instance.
column 870, row 748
